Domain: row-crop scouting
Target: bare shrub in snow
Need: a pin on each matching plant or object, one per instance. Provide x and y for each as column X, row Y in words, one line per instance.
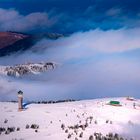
column 116, row 136
column 82, row 127
column 91, row 137
column 18, row 129
column 62, row 126
column 95, row 122
column 81, row 135
column 76, row 126
column 66, row 131
column 69, row 136
column 71, row 127
column 11, row 129
column 27, row 126
column 78, row 116
column 107, row 121
column 7, row 132
column 5, row 121
column 2, row 129
column 90, row 118
column 75, row 131
column 34, row 126
column 110, row 135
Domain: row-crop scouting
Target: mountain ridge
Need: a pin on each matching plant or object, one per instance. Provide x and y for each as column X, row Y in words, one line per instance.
column 11, row 42
column 24, row 69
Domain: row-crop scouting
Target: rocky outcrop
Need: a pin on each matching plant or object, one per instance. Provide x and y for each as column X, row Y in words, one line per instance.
column 24, row 69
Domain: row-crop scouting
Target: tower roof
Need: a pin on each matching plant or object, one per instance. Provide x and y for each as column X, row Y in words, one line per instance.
column 20, row 92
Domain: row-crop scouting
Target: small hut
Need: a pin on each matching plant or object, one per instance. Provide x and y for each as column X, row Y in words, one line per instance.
column 20, row 100
column 130, row 98
column 115, row 103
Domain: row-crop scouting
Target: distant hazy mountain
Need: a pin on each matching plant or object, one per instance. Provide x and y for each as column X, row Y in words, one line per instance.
column 11, row 41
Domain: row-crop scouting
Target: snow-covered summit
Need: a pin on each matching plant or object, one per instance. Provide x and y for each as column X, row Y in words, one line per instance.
column 29, row 68
column 80, row 120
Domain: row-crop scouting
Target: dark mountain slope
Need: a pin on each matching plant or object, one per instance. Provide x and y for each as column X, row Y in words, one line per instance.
column 12, row 42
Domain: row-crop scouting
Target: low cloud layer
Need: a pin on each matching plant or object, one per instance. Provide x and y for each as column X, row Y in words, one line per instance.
column 91, row 64
column 99, row 40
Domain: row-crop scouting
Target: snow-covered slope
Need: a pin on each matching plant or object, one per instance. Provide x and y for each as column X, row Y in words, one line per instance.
column 63, row 120
column 29, row 68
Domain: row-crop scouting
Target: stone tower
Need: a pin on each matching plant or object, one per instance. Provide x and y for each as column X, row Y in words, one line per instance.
column 20, row 100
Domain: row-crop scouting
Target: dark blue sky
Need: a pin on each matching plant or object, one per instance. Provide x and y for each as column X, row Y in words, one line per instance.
column 81, row 15
column 26, row 6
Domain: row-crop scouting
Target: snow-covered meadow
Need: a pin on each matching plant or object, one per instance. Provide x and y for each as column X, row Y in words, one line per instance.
column 78, row 120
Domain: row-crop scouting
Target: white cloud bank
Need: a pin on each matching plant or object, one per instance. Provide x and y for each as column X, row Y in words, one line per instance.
column 94, row 64
column 104, row 41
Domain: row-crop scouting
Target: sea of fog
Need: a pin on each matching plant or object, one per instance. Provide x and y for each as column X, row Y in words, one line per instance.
column 91, row 64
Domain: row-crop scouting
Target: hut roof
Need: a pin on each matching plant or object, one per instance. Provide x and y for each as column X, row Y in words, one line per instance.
column 114, row 102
